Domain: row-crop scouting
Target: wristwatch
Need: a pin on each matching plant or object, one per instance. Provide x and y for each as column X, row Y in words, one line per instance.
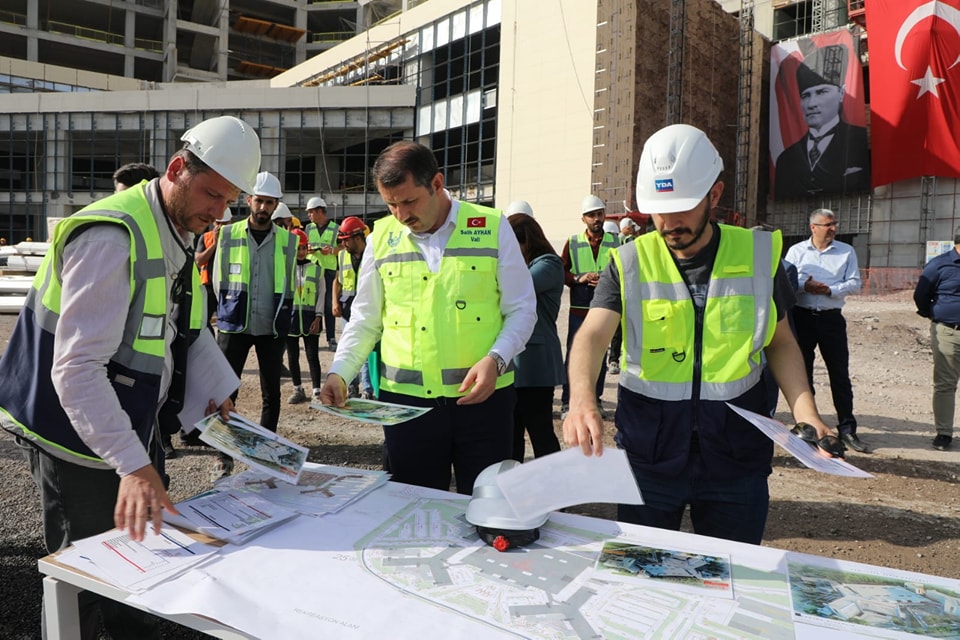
column 501, row 363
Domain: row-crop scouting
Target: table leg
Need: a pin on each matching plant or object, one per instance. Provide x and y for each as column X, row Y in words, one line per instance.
column 61, row 609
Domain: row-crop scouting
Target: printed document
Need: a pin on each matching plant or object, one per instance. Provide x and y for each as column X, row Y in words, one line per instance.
column 373, row 411
column 232, row 515
column 250, row 443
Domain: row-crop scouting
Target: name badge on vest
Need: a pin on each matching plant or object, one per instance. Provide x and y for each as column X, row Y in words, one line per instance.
column 235, row 268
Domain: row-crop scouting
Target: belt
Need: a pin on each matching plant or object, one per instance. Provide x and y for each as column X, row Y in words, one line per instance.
column 955, row 327
column 818, row 312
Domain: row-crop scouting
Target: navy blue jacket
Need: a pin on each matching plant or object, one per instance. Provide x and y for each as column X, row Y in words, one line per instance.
column 937, row 295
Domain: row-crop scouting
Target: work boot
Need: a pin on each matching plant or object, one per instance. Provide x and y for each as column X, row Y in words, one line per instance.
column 942, row 442
column 298, row 396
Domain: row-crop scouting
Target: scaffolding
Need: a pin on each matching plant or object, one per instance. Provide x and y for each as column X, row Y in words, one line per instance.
column 744, row 109
column 678, row 19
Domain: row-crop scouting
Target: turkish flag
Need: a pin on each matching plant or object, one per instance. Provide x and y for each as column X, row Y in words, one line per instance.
column 915, row 88
column 476, row 222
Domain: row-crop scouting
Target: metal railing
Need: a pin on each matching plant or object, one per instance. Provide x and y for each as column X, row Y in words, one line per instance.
column 85, row 33
column 10, row 17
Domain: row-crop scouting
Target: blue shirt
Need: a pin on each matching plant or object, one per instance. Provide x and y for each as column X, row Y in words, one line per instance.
column 835, row 266
column 937, row 295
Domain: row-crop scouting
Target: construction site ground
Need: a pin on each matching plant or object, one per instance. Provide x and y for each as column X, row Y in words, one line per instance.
column 906, row 517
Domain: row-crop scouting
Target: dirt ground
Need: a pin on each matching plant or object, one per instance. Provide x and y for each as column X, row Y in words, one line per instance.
column 906, row 517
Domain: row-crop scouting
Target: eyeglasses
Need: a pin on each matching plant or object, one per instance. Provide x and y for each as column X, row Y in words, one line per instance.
column 825, row 224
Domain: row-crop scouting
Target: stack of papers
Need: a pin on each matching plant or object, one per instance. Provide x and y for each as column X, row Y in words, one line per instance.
column 232, row 515
column 136, row 566
column 322, row 489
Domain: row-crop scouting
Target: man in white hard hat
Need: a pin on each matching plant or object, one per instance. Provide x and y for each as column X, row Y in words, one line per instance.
column 322, row 235
column 629, row 230
column 518, row 206
column 95, row 367
column 691, row 347
column 584, row 256
column 282, row 216
column 253, row 275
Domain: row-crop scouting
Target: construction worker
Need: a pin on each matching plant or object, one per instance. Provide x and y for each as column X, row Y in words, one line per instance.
column 131, row 174
column 584, row 256
column 206, row 249
column 308, row 286
column 322, row 233
column 353, row 236
column 445, row 285
column 253, row 275
column 95, row 367
column 282, row 217
column 698, row 302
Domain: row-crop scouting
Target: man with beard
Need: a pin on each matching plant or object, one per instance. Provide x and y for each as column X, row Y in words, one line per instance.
column 253, row 274
column 698, row 303
column 95, row 367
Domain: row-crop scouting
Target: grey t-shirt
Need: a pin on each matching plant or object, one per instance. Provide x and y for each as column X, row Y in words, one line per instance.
column 696, row 270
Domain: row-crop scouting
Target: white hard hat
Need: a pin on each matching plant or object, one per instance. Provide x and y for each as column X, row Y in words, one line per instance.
column 229, row 146
column 518, row 206
column 591, row 203
column 611, row 227
column 227, row 215
column 267, row 185
column 678, row 166
column 315, row 202
column 282, row 211
column 496, row 522
column 627, row 223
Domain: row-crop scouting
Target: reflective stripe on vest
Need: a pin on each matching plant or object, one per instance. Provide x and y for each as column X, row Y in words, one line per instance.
column 659, row 317
column 328, row 237
column 436, row 326
column 28, row 400
column 233, row 264
column 581, row 253
column 346, row 275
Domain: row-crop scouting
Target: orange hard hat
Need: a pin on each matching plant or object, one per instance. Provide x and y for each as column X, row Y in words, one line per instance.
column 351, row 226
column 302, row 235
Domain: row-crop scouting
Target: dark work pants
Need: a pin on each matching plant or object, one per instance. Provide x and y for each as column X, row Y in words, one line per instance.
column 78, row 502
column 311, row 346
column 573, row 325
column 828, row 330
column 533, row 414
column 615, row 346
column 733, row 509
column 235, row 347
column 470, row 437
column 329, row 321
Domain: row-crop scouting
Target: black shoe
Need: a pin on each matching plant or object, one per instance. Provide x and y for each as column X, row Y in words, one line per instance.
column 284, row 372
column 192, row 439
column 852, row 441
column 168, row 451
column 942, row 442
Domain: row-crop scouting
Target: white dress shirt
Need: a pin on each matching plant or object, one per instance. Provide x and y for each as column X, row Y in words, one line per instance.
column 517, row 297
column 835, row 266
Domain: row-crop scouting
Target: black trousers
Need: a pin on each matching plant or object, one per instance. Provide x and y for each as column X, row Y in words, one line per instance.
column 329, row 321
column 828, row 330
column 235, row 347
column 311, row 346
column 533, row 414
column 470, row 437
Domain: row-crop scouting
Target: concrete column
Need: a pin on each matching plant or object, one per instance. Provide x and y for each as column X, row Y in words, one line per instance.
column 170, row 38
column 223, row 55
column 33, row 25
column 129, row 42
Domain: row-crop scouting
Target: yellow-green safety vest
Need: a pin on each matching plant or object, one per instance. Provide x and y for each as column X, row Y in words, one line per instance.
column 346, row 275
column 29, row 405
column 581, row 253
column 658, row 318
column 328, row 237
column 436, row 326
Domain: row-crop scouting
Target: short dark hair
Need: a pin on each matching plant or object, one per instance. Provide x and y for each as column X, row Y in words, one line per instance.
column 405, row 158
column 134, row 173
column 533, row 243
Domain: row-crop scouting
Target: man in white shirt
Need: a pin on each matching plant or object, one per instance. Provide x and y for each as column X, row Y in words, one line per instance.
column 444, row 284
column 827, row 272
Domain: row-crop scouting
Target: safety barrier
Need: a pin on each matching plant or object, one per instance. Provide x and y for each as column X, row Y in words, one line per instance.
column 879, row 280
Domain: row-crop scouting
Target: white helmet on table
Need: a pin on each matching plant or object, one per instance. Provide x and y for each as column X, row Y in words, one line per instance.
column 678, row 166
column 229, row 146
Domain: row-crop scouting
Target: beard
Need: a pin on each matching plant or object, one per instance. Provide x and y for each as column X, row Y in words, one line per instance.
column 689, row 236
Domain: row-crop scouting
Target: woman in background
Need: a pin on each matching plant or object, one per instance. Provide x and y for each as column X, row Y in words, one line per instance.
column 539, row 367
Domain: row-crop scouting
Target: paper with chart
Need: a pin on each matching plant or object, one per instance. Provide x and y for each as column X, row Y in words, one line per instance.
column 233, row 515
column 373, row 411
column 798, row 448
column 114, row 557
column 250, row 443
column 321, row 488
